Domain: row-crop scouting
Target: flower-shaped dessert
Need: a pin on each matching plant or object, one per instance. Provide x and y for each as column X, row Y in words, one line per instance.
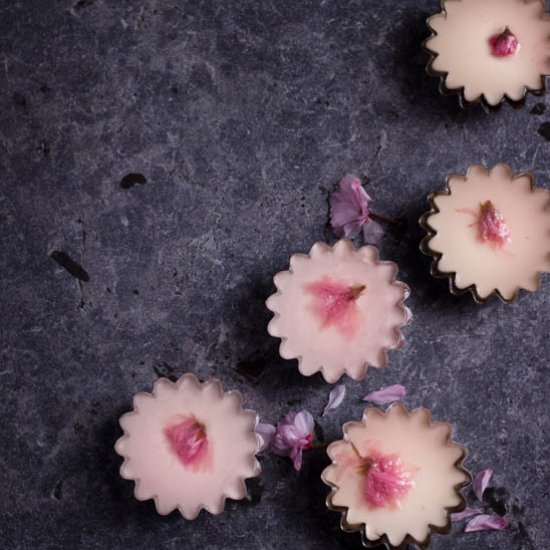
column 488, row 232
column 188, row 446
column 490, row 51
column 338, row 310
column 396, row 477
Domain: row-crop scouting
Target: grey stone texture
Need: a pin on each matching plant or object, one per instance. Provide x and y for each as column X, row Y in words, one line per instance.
column 241, row 116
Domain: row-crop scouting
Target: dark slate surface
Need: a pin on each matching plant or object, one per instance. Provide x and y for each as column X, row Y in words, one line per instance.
column 238, row 118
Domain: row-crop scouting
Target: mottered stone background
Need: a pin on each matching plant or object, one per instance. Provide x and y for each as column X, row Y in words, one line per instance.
column 241, row 116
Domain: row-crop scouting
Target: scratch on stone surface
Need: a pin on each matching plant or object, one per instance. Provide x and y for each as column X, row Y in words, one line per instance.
column 535, row 154
column 82, row 302
column 382, row 144
column 206, row 243
column 6, row 71
column 56, row 493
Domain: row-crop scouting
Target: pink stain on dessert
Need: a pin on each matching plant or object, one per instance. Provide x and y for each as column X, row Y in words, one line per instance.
column 491, row 225
column 387, row 481
column 503, row 44
column 188, row 440
column 335, row 304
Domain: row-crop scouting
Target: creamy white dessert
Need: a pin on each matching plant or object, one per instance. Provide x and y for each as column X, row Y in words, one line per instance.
column 395, row 475
column 492, row 48
column 188, row 446
column 492, row 230
column 338, row 310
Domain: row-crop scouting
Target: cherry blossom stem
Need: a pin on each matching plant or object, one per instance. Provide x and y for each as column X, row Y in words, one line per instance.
column 356, row 451
column 383, row 219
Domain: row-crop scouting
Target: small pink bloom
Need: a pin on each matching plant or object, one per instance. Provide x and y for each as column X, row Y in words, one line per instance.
column 334, row 304
column 266, row 433
column 335, row 398
column 491, row 225
column 349, row 210
column 386, row 480
column 386, row 395
column 467, row 513
column 294, row 433
column 503, row 44
column 481, row 481
column 188, row 440
column 487, row 523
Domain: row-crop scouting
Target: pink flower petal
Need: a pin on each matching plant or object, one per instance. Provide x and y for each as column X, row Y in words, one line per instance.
column 189, row 441
column 335, row 304
column 386, row 480
column 335, row 398
column 293, row 434
column 467, row 513
column 304, row 424
column 386, row 395
column 297, row 459
column 349, row 207
column 372, row 232
column 487, row 523
column 491, row 225
column 266, row 432
column 481, row 481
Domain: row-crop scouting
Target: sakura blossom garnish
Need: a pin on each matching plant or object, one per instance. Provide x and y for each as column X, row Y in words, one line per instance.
column 486, row 522
column 387, row 394
column 335, row 304
column 335, row 398
column 504, row 44
column 188, row 440
column 266, row 433
column 387, row 481
column 350, row 212
column 491, row 225
column 293, row 435
column 467, row 513
column 481, row 481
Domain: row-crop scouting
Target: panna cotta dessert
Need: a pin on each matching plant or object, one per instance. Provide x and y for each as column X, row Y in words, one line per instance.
column 396, row 476
column 491, row 50
column 489, row 232
column 338, row 310
column 189, row 446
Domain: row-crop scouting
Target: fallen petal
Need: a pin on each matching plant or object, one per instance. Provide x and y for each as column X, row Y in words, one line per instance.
column 386, row 395
column 266, row 432
column 481, row 481
column 468, row 513
column 297, row 460
column 304, row 424
column 293, row 433
column 335, row 398
column 349, row 207
column 487, row 523
column 372, row 232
